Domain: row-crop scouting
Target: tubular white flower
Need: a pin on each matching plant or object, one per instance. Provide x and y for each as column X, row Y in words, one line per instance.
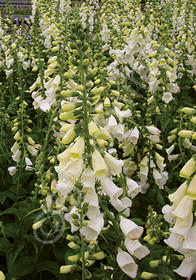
column 133, row 188
column 77, row 150
column 187, row 268
column 33, row 151
column 16, row 156
column 135, row 248
column 93, row 229
column 68, row 217
column 87, row 178
column 179, row 193
column 153, row 130
column 175, row 240
column 12, row 170
column 113, row 164
column 132, row 135
column 188, row 169
column 69, row 136
column 91, row 197
column 191, row 191
column 121, row 205
column 122, row 114
column 184, row 208
column 99, row 166
column 130, row 229
column 167, row 97
column 110, row 188
column 126, row 263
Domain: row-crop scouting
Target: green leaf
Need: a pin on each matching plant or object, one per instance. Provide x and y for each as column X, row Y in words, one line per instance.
column 12, row 211
column 11, row 229
column 6, row 194
column 50, row 266
column 4, row 244
column 23, row 266
column 13, row 253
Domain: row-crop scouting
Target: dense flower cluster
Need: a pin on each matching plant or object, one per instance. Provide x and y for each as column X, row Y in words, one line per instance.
column 103, row 119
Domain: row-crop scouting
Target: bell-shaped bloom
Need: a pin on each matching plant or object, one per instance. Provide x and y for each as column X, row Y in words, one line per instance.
column 15, row 147
column 68, row 217
column 183, row 226
column 64, row 157
column 167, row 211
column 29, row 164
column 113, row 164
column 135, row 248
column 122, row 205
column 133, row 188
column 16, row 156
column 71, row 171
column 77, row 150
column 167, row 97
column 178, row 194
column 32, row 150
column 126, row 263
column 184, row 208
column 66, row 127
column 153, row 130
column 160, row 178
column 191, row 191
column 132, row 135
column 190, row 241
column 12, row 170
column 130, row 229
column 187, row 268
column 99, row 166
column 188, row 169
column 175, row 241
column 69, row 136
column 160, row 161
column 110, row 188
column 93, row 229
column 122, row 114
column 87, row 178
column 64, row 187
column 91, row 197
column 93, row 129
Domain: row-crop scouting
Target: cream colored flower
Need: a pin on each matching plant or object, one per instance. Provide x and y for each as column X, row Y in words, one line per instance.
column 130, row 229
column 99, row 166
column 126, row 263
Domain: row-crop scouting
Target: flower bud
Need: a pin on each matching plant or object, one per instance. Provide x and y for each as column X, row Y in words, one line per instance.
column 67, row 116
column 194, row 136
column 147, row 275
column 66, row 268
column 31, row 141
column 185, row 133
column 99, row 256
column 93, row 129
column 73, row 245
column 188, row 110
column 69, row 136
column 68, row 107
column 98, row 90
column 193, row 120
column 37, row 225
column 73, row 258
column 154, row 263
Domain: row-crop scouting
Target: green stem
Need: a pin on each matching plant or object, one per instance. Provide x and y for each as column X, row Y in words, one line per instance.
column 83, row 259
column 85, row 111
